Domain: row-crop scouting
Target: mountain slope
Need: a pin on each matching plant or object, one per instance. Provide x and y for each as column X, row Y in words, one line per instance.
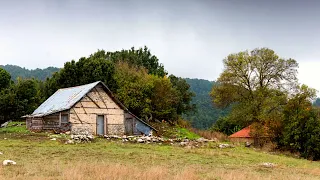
column 206, row 114
column 17, row 71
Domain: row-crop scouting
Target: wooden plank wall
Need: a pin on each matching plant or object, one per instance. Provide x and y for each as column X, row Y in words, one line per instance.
column 34, row 123
column 98, row 102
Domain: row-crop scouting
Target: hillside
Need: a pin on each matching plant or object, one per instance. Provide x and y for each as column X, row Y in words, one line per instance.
column 206, row 114
column 38, row 157
column 17, row 71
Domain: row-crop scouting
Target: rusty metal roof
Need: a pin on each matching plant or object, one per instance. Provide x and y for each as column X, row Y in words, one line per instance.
column 63, row 99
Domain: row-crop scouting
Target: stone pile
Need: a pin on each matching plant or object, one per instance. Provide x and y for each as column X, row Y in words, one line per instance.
column 159, row 140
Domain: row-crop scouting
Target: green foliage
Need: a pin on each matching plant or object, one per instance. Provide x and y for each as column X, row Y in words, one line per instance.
column 86, row 70
column 140, row 57
column 136, row 78
column 4, row 79
column 20, row 99
column 301, row 125
column 206, row 114
column 40, row 74
column 256, row 84
column 227, row 125
column 135, row 88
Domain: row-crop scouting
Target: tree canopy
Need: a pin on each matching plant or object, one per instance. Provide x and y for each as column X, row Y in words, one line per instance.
column 255, row 83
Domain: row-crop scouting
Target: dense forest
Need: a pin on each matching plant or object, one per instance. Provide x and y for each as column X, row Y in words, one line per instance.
column 206, row 114
column 135, row 76
column 40, row 74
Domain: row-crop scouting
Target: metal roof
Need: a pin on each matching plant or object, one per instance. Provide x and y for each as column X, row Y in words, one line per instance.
column 63, row 99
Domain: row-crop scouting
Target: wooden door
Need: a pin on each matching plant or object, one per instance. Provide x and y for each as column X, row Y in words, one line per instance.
column 129, row 126
column 100, row 125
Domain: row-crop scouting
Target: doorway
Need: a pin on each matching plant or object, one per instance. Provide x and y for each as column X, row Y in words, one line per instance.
column 100, row 125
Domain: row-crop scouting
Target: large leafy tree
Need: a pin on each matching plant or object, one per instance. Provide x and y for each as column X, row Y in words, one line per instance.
column 255, row 83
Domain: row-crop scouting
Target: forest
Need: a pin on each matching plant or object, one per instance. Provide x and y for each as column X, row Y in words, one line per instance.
column 256, row 88
column 135, row 76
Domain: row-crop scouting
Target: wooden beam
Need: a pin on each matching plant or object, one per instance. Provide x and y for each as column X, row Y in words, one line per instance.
column 93, row 101
column 82, row 107
column 77, row 116
column 100, row 97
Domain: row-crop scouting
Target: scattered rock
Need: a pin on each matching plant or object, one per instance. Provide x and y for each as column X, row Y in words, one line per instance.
column 1, row 153
column 8, row 162
column 184, row 143
column 247, row 144
column 140, row 140
column 222, row 146
column 268, row 165
column 202, row 140
column 69, row 141
column 53, row 139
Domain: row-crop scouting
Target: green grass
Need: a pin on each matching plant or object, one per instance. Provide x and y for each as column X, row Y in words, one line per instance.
column 185, row 133
column 38, row 157
column 15, row 127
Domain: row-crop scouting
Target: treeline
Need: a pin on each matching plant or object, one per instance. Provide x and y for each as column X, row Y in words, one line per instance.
column 135, row 76
column 206, row 114
column 263, row 92
column 40, row 74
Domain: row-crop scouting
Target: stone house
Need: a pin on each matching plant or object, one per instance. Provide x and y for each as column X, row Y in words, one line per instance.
column 91, row 105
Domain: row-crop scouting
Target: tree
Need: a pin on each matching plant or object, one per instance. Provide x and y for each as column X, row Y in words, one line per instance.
column 301, row 125
column 255, row 83
column 184, row 95
column 4, row 79
column 87, row 70
column 141, row 57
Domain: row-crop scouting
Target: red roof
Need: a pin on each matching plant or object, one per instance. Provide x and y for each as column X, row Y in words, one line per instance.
column 243, row 133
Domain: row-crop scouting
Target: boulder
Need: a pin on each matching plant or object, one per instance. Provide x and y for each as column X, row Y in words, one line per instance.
column 247, row 144
column 140, row 140
column 184, row 143
column 8, row 162
column 268, row 165
column 222, row 146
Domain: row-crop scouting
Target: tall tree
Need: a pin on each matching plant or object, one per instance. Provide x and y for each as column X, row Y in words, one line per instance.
column 255, row 83
column 4, row 79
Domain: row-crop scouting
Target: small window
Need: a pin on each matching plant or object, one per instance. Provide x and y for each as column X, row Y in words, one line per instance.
column 64, row 118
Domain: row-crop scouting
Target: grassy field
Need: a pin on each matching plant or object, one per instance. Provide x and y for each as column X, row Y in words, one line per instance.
column 38, row 157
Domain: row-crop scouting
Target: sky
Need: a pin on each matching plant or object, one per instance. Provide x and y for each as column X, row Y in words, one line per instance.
column 190, row 37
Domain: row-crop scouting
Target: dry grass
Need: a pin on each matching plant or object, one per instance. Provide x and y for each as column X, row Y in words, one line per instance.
column 39, row 158
column 211, row 134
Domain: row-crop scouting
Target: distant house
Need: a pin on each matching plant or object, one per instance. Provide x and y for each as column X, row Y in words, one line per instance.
column 91, row 105
column 245, row 135
column 242, row 136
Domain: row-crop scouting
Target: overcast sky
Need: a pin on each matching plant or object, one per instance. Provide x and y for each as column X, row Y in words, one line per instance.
column 189, row 37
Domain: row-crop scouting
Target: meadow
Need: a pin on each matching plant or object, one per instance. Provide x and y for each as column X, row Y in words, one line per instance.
column 38, row 157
